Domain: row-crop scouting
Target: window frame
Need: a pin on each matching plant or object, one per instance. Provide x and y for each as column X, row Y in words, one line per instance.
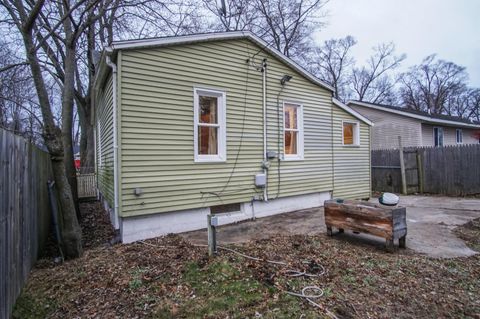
column 300, row 133
column 356, row 133
column 435, row 144
column 221, row 96
column 459, row 133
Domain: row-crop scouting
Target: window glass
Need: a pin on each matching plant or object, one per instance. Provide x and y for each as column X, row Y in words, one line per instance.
column 291, row 142
column 291, row 116
column 438, row 136
column 207, row 140
column 459, row 136
column 292, row 134
column 208, row 109
column 348, row 131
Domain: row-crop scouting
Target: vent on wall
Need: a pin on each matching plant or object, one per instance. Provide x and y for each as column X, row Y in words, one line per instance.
column 227, row 208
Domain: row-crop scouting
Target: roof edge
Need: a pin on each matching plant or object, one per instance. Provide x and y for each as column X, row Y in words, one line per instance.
column 183, row 39
column 352, row 112
column 415, row 116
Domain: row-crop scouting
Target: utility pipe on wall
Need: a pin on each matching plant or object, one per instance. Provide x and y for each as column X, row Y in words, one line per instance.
column 265, row 170
column 113, row 66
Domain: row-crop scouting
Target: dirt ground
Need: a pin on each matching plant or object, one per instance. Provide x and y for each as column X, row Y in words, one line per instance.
column 169, row 277
column 430, row 221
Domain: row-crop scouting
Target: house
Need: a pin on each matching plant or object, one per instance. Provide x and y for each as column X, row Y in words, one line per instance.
column 218, row 123
column 416, row 128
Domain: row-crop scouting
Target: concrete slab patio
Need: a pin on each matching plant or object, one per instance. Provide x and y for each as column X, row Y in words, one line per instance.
column 430, row 220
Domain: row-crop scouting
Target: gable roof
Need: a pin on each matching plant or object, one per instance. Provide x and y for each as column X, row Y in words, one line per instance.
column 439, row 119
column 215, row 36
column 352, row 111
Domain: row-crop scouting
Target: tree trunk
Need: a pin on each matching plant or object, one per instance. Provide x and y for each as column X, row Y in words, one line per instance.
column 70, row 229
column 87, row 139
column 67, row 121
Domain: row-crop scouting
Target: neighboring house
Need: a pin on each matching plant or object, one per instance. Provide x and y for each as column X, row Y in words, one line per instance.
column 218, row 123
column 415, row 127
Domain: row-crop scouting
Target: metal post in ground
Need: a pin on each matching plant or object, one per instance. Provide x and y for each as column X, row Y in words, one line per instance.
column 212, row 235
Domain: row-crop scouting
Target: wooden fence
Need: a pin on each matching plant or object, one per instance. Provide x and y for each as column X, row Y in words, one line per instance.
column 24, row 213
column 449, row 170
column 86, row 185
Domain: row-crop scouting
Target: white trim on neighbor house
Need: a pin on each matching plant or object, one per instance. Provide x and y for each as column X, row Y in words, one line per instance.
column 352, row 112
column 356, row 133
column 426, row 119
column 459, row 136
column 222, row 125
column 300, row 136
column 149, row 226
column 184, row 39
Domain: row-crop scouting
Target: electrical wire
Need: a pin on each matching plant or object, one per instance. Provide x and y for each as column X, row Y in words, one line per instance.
column 315, row 291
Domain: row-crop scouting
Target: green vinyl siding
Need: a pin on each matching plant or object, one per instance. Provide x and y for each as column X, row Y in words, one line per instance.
column 157, row 150
column 104, row 142
column 351, row 163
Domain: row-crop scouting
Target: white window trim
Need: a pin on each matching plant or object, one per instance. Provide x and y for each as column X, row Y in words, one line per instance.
column 356, row 133
column 99, row 136
column 443, row 136
column 222, row 125
column 300, row 156
column 459, row 130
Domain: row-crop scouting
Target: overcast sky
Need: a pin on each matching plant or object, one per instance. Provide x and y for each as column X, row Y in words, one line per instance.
column 450, row 28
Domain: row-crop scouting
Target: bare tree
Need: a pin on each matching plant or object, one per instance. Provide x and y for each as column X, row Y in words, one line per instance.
column 235, row 15
column 332, row 62
column 431, row 85
column 18, row 106
column 374, row 82
column 287, row 25
column 39, row 39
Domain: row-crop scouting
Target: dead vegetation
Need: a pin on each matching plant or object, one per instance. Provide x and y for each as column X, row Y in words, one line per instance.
column 168, row 277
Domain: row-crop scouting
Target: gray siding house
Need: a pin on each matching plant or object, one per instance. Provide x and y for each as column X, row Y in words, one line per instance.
column 415, row 127
column 218, row 123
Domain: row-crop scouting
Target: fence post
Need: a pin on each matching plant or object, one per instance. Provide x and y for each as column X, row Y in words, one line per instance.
column 212, row 235
column 402, row 166
column 420, row 171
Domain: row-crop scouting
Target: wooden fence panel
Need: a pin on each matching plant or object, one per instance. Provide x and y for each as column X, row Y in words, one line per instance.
column 24, row 213
column 386, row 175
column 452, row 170
column 87, row 185
column 449, row 170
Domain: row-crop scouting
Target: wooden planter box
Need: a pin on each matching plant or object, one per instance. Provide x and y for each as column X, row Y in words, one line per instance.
column 366, row 217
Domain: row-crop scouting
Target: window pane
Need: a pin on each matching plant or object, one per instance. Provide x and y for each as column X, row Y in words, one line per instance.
column 290, row 116
column 207, row 140
column 291, row 142
column 348, row 133
column 208, row 109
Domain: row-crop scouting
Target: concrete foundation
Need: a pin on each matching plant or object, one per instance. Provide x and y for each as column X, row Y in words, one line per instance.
column 149, row 226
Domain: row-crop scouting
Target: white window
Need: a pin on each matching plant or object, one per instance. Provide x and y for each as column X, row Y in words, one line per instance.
column 292, row 131
column 350, row 133
column 210, row 125
column 438, row 136
column 459, row 136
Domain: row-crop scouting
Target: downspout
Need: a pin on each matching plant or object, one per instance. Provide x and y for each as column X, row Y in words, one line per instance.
column 113, row 66
column 265, row 164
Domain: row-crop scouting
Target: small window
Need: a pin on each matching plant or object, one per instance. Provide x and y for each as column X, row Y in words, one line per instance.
column 293, row 131
column 459, row 135
column 209, row 130
column 351, row 134
column 438, row 136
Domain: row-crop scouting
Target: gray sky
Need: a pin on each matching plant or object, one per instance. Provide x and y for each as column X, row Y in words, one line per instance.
column 450, row 28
